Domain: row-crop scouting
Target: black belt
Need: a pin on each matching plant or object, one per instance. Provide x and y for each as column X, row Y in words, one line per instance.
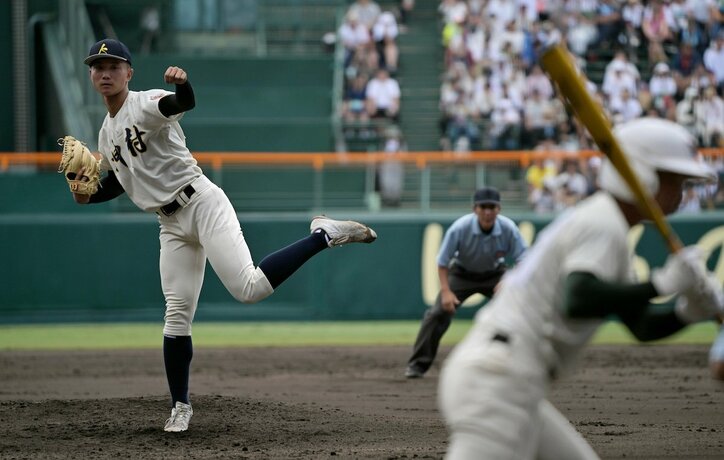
column 172, row 207
column 500, row 337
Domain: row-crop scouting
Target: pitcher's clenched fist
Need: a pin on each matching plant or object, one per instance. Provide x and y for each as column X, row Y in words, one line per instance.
column 175, row 75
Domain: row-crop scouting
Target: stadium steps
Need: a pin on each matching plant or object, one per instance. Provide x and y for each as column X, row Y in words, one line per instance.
column 421, row 65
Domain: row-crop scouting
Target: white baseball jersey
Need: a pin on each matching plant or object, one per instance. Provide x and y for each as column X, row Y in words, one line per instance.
column 493, row 385
column 591, row 238
column 147, row 151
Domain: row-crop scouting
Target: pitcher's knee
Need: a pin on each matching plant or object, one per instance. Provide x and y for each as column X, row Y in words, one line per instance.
column 252, row 288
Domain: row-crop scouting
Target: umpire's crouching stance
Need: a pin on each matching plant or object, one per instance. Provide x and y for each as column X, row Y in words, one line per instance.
column 471, row 260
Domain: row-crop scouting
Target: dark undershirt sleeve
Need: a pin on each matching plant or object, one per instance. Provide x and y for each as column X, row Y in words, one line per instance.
column 110, row 188
column 586, row 296
column 181, row 101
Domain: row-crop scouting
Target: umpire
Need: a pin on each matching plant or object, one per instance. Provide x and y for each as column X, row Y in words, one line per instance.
column 472, row 259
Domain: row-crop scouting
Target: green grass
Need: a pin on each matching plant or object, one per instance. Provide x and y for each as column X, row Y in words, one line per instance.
column 145, row 335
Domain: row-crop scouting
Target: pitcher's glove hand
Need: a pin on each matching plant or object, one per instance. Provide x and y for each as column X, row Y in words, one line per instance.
column 81, row 169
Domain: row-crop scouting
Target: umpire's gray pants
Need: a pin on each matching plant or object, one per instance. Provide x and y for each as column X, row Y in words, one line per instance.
column 436, row 321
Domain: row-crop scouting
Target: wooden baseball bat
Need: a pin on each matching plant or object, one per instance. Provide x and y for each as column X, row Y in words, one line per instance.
column 559, row 66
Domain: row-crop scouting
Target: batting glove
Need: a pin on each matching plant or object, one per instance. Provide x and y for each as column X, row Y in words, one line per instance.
column 703, row 302
column 680, row 273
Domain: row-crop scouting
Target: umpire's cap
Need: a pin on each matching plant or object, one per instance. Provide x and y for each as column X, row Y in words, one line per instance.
column 108, row 48
column 487, row 195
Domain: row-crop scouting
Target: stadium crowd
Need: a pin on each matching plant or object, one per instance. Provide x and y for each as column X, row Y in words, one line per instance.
column 371, row 92
column 663, row 58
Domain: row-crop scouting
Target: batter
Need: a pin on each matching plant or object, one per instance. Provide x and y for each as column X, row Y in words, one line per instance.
column 493, row 387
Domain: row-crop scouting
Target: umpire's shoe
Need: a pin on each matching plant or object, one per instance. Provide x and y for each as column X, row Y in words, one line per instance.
column 341, row 232
column 413, row 372
column 180, row 418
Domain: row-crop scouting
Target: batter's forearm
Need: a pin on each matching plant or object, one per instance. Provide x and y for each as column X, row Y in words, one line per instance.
column 655, row 322
column 586, row 296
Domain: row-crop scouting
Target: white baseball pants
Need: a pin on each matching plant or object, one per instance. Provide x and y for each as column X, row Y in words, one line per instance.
column 207, row 228
column 495, row 408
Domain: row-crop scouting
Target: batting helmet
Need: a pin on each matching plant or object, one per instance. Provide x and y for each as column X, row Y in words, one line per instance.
column 653, row 144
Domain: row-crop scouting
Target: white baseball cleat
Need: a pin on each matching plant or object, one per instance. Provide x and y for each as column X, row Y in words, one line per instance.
column 180, row 418
column 341, row 232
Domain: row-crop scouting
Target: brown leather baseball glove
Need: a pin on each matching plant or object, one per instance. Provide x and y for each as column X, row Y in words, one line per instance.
column 81, row 169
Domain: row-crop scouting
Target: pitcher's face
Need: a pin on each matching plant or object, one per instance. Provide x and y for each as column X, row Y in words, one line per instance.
column 110, row 76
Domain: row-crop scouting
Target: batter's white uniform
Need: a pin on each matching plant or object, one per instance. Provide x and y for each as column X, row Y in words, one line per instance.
column 493, row 386
column 147, row 152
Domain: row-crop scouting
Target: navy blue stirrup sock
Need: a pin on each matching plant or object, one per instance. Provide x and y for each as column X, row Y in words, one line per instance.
column 279, row 265
column 177, row 354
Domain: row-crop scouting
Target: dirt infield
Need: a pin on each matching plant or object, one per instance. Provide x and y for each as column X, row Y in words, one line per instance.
column 645, row 402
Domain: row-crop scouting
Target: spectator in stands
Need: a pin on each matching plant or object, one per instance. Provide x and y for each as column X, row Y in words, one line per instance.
column 506, row 123
column 355, row 37
column 546, row 32
column 457, row 52
column 511, row 39
column 527, row 13
column 657, row 25
column 608, row 22
column 582, row 32
column 354, row 104
column 383, row 96
column 592, row 171
column 710, row 118
column 621, row 61
column 679, row 13
column 686, row 110
column 539, row 119
column 707, row 15
column 690, row 203
column 462, row 125
column 537, row 175
column 683, row 64
column 529, row 55
column 453, row 11
column 702, row 77
column 617, row 81
column 484, row 97
column 570, row 185
column 632, row 15
column 545, row 202
column 476, row 41
column 501, row 13
column 693, row 35
column 457, row 80
column 391, row 172
column 662, row 83
column 625, row 105
column 366, row 11
column 663, row 89
column 644, row 96
column 453, row 39
column 384, row 33
column 714, row 58
column 568, row 138
column 538, row 81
